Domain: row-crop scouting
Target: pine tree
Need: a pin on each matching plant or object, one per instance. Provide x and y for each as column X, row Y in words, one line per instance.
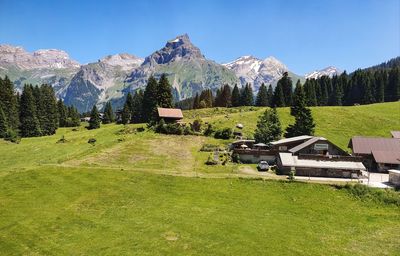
column 247, row 97
column 29, row 123
column 309, row 91
column 262, row 96
column 287, row 88
column 270, row 95
column 268, row 127
column 164, row 93
column 9, row 102
column 3, row 124
column 196, row 101
column 299, row 99
column 49, row 112
column 380, row 81
column 108, row 116
column 223, row 97
column 393, row 85
column 279, row 99
column 94, row 122
column 62, row 114
column 323, row 82
column 150, row 100
column 136, row 111
column 235, row 96
column 73, row 117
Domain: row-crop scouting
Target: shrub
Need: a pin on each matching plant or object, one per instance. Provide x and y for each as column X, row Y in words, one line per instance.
column 196, row 126
column 235, row 158
column 210, row 148
column 224, row 134
column 12, row 136
column 363, row 192
column 209, row 131
column 292, row 174
column 92, row 141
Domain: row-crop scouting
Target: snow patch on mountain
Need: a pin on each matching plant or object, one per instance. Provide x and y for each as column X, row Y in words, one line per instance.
column 328, row 71
column 123, row 60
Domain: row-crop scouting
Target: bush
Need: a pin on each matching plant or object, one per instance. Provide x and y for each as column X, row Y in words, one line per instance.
column 292, row 174
column 363, row 192
column 196, row 126
column 12, row 136
column 224, row 134
column 235, row 158
column 210, row 148
column 92, row 141
column 209, row 131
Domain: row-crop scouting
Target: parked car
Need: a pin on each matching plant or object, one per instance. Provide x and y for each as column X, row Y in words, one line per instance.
column 263, row 166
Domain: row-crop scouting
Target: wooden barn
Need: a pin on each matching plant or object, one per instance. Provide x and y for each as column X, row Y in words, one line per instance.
column 170, row 115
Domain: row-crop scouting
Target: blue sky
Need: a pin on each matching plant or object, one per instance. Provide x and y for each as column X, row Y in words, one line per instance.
column 305, row 35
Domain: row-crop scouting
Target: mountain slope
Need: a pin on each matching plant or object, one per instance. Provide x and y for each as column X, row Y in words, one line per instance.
column 186, row 67
column 97, row 83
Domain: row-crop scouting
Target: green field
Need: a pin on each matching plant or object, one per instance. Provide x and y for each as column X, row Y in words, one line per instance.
column 142, row 193
column 337, row 124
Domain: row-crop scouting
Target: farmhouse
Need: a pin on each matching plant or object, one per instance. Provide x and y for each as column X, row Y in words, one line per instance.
column 322, row 167
column 300, row 145
column 378, row 154
column 170, row 115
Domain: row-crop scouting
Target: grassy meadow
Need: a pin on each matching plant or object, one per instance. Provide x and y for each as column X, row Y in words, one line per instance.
column 141, row 193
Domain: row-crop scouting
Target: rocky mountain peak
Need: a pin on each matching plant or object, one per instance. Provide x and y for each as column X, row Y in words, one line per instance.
column 180, row 47
column 40, row 59
column 328, row 71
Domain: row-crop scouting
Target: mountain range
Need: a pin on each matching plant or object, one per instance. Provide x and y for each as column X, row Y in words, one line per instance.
column 112, row 77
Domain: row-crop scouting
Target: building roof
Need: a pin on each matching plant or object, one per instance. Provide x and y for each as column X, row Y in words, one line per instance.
column 306, row 144
column 293, row 139
column 288, row 160
column 395, row 134
column 174, row 113
column 365, row 145
column 394, row 171
column 386, row 157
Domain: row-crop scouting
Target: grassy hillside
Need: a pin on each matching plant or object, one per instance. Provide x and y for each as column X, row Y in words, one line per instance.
column 137, row 193
column 337, row 124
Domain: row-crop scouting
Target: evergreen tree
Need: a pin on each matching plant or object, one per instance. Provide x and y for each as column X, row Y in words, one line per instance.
column 150, row 100
column 94, row 122
column 380, row 83
column 73, row 117
column 270, row 95
column 304, row 122
column 279, row 99
column 29, row 123
column 247, row 97
column 48, row 110
column 262, row 96
column 108, row 116
column 324, row 84
column 235, row 96
column 309, row 91
column 393, row 85
column 62, row 113
column 9, row 102
column 126, row 114
column 164, row 93
column 3, row 124
column 287, row 88
column 136, row 116
column 206, row 99
column 196, row 101
column 299, row 99
column 223, row 97
column 268, row 127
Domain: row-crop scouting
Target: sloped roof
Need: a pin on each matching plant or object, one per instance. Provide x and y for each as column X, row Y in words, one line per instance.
column 175, row 113
column 395, row 134
column 288, row 160
column 293, row 139
column 365, row 145
column 386, row 157
column 306, row 144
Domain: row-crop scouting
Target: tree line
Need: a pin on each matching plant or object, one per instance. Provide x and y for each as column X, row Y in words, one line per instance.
column 361, row 87
column 34, row 112
column 142, row 105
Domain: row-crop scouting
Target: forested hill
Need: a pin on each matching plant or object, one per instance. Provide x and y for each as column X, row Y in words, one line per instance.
column 392, row 63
